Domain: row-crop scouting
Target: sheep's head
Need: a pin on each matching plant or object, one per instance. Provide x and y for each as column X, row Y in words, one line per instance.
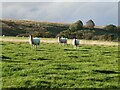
column 75, row 38
column 30, row 35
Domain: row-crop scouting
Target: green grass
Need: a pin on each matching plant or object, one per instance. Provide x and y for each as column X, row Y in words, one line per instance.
column 58, row 66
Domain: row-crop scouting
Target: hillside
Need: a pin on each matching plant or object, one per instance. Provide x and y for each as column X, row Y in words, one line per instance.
column 50, row 29
column 17, row 27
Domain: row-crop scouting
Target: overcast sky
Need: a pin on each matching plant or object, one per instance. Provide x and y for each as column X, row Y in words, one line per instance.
column 60, row 0
column 102, row 13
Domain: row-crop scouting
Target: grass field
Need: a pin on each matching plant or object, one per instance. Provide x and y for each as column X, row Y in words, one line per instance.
column 54, row 40
column 56, row 66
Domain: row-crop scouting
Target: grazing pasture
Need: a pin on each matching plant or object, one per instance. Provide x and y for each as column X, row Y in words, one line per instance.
column 56, row 66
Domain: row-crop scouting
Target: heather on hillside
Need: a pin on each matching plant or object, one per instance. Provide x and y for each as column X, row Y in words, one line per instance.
column 52, row 30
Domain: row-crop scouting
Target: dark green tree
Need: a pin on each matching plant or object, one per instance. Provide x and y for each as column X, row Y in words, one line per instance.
column 111, row 27
column 118, row 28
column 76, row 26
column 65, row 33
column 90, row 24
column 37, row 34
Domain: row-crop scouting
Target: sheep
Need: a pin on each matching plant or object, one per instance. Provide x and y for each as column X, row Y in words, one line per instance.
column 34, row 41
column 75, row 42
column 62, row 40
column 3, row 35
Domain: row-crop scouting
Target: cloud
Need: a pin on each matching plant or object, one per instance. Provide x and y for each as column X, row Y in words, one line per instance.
column 0, row 10
column 59, row 0
column 102, row 13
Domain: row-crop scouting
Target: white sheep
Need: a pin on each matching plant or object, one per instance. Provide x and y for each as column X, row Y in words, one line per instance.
column 62, row 40
column 34, row 41
column 75, row 42
column 3, row 35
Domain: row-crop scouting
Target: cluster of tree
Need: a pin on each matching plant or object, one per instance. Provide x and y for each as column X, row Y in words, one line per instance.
column 39, row 34
column 89, row 32
column 112, row 28
column 51, row 30
column 88, row 35
column 44, row 34
column 79, row 25
column 81, row 34
column 77, row 30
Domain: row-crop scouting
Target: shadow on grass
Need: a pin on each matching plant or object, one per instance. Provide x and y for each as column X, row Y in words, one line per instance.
column 39, row 49
column 84, row 50
column 71, row 49
column 8, row 59
column 65, row 67
column 2, row 44
column 73, row 56
column 4, row 60
column 106, row 52
column 85, row 56
column 5, row 57
column 40, row 58
column 32, row 88
column 106, row 71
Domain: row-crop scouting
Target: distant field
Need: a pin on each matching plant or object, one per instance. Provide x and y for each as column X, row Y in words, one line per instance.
column 56, row 66
column 54, row 40
column 101, row 27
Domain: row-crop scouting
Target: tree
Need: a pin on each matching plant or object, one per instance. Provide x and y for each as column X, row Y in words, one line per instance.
column 65, row 33
column 37, row 34
column 76, row 26
column 111, row 27
column 108, row 37
column 48, row 35
column 118, row 28
column 90, row 24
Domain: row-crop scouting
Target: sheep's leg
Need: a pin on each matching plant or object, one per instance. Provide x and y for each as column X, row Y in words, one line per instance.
column 59, row 43
column 75, row 47
column 31, row 46
column 37, row 46
column 66, row 43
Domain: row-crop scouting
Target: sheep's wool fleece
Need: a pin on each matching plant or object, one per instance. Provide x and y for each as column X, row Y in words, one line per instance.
column 77, row 42
column 36, row 40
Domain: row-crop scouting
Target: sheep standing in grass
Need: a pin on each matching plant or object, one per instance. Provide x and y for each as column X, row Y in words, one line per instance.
column 3, row 35
column 34, row 41
column 62, row 40
column 75, row 42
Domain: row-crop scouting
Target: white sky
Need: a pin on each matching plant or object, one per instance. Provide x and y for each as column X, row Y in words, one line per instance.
column 101, row 11
column 60, row 0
